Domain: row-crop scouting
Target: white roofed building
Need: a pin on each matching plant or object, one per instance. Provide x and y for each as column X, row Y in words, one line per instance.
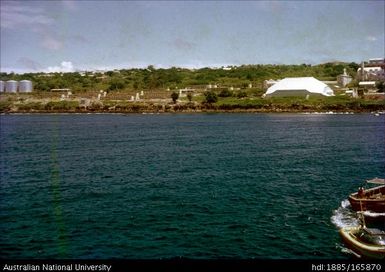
column 374, row 70
column 371, row 73
column 377, row 61
column 299, row 86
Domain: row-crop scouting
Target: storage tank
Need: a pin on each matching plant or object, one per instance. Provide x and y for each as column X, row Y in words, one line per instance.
column 11, row 86
column 2, row 86
column 25, row 86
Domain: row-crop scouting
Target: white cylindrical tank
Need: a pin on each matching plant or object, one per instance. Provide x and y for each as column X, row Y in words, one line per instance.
column 25, row 86
column 11, row 86
column 2, row 86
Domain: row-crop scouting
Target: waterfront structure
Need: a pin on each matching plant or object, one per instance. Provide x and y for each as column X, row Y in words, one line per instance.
column 299, row 86
column 11, row 86
column 2, row 86
column 25, row 86
column 344, row 79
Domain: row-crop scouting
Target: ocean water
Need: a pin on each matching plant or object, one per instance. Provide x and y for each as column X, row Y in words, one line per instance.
column 182, row 185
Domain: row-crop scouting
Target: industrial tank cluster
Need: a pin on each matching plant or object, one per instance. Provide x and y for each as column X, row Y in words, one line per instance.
column 12, row 86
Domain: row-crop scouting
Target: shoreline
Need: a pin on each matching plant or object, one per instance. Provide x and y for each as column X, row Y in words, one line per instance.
column 224, row 105
column 120, row 112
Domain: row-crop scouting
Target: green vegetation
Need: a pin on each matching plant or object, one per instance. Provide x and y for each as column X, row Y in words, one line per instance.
column 225, row 93
column 189, row 97
column 210, row 97
column 153, row 79
column 300, row 104
column 174, row 97
column 31, row 106
column 5, row 106
column 237, row 88
column 242, row 94
column 116, row 84
column 209, row 102
column 62, row 105
column 380, row 86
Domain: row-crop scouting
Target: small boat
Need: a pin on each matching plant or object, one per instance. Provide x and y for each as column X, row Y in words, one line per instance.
column 364, row 242
column 372, row 219
column 372, row 199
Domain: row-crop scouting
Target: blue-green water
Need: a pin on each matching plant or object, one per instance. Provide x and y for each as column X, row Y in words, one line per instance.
column 191, row 185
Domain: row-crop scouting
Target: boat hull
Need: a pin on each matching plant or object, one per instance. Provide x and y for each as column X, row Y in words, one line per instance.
column 376, row 220
column 363, row 249
column 371, row 200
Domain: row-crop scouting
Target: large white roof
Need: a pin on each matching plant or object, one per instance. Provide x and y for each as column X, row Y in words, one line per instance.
column 300, row 84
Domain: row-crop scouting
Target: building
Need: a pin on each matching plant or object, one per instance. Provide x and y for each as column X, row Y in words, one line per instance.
column 299, row 86
column 377, row 62
column 374, row 70
column 185, row 91
column 344, row 79
column 371, row 73
column 367, row 85
column 61, row 90
column 269, row 82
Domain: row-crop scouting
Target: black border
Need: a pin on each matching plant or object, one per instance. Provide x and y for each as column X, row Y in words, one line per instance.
column 182, row 264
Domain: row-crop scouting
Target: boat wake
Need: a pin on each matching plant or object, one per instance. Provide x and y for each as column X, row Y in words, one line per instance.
column 373, row 214
column 349, row 251
column 344, row 216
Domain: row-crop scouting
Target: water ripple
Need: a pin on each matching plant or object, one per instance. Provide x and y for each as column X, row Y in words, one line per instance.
column 197, row 186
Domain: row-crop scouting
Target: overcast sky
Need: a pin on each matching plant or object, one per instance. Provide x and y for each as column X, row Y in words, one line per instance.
column 78, row 35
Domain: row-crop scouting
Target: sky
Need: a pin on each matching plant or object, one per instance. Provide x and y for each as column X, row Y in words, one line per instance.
column 66, row 36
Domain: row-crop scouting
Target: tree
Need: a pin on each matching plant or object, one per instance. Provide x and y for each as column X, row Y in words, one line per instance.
column 87, row 83
column 354, row 66
column 225, row 93
column 174, row 97
column 352, row 84
column 211, row 97
column 380, row 86
column 189, row 96
column 242, row 94
column 41, row 85
column 116, row 83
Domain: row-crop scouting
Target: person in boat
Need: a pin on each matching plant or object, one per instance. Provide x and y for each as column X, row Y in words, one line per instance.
column 361, row 192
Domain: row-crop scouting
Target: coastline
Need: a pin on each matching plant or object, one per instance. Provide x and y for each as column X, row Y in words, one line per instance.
column 10, row 104
column 278, row 111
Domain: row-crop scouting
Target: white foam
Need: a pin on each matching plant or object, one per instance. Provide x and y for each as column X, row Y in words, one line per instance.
column 349, row 251
column 344, row 217
column 345, row 203
column 373, row 214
